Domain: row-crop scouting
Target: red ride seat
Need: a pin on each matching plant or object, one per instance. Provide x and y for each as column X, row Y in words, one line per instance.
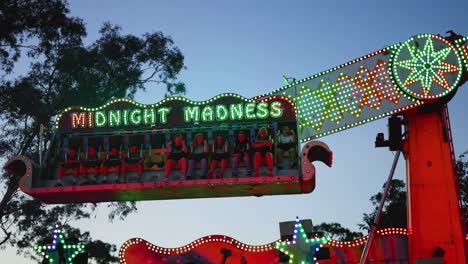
column 71, row 165
column 112, row 163
column 134, row 162
column 91, row 163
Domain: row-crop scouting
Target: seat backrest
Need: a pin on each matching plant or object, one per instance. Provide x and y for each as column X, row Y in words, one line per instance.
column 157, row 141
column 135, row 145
column 94, row 146
column 115, row 145
column 71, row 147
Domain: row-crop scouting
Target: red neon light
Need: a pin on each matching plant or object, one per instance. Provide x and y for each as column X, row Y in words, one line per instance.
column 208, row 248
column 78, row 119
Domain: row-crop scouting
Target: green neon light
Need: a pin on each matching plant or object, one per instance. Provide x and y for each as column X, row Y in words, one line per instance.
column 332, row 131
column 222, row 112
column 293, row 84
column 237, row 111
column 262, row 110
column 100, row 118
column 51, row 252
column 114, row 118
column 301, row 250
column 125, row 117
column 462, row 46
column 149, row 116
column 156, row 105
column 330, row 101
column 135, row 117
column 207, row 114
column 250, row 111
column 276, row 110
column 163, row 112
column 315, row 106
column 426, row 66
column 191, row 114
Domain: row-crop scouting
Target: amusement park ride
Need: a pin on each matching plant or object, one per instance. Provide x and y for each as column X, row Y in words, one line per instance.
column 127, row 151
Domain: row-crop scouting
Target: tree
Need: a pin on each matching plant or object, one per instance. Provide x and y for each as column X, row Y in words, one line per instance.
column 64, row 72
column 336, row 231
column 35, row 27
column 394, row 211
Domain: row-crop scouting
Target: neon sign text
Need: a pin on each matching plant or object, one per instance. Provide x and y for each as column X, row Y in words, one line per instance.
column 147, row 116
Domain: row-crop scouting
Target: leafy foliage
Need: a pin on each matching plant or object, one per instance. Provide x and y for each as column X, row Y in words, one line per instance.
column 36, row 26
column 65, row 72
column 336, row 231
column 394, row 211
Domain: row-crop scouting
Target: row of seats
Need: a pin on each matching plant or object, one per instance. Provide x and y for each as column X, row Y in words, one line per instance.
column 120, row 154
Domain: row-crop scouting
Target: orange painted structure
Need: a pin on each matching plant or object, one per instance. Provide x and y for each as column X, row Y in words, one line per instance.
column 434, row 215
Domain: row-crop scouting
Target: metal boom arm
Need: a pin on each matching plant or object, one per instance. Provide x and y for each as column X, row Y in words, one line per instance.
column 421, row 70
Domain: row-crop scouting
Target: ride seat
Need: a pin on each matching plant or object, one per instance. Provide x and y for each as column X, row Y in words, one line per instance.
column 71, row 165
column 92, row 162
column 134, row 162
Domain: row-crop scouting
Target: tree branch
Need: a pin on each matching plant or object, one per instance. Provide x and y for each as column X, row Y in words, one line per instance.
column 7, row 236
column 19, row 46
column 156, row 70
column 11, row 189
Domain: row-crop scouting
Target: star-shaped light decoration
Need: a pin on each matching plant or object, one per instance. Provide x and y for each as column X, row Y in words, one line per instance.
column 426, row 66
column 301, row 250
column 374, row 86
column 315, row 106
column 59, row 250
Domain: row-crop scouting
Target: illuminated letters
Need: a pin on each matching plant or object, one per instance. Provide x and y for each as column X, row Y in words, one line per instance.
column 163, row 114
column 237, row 111
column 191, row 114
column 207, row 114
column 100, row 118
column 90, row 119
column 79, row 120
column 149, row 116
column 125, row 117
column 114, row 118
column 135, row 117
column 250, row 111
column 186, row 114
column 262, row 110
column 222, row 112
column 276, row 111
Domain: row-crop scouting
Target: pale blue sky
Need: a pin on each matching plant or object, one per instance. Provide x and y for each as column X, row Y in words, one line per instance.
column 245, row 47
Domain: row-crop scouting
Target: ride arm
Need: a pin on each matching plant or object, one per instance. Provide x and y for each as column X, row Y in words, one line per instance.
column 423, row 70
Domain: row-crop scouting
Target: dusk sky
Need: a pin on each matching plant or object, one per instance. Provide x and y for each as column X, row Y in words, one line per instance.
column 245, row 48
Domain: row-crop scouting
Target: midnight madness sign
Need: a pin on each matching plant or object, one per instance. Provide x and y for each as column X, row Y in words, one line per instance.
column 175, row 111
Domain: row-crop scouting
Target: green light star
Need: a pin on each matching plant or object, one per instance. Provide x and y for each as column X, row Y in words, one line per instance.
column 59, row 251
column 301, row 250
column 316, row 106
column 427, row 65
